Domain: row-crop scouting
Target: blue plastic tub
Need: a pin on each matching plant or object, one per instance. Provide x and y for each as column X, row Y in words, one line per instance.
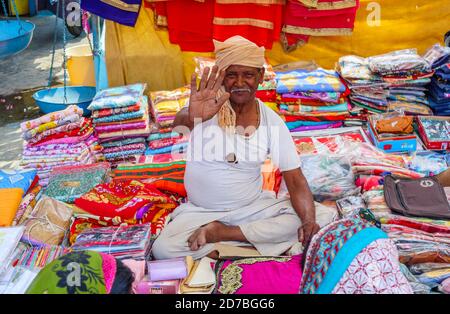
column 15, row 36
column 52, row 99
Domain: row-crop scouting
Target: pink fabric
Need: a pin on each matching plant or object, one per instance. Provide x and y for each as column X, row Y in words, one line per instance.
column 138, row 269
column 53, row 116
column 269, row 277
column 375, row 270
column 121, row 126
column 67, row 140
column 109, row 270
column 445, row 286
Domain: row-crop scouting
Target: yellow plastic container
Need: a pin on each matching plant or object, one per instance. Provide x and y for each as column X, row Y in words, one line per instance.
column 22, row 7
column 80, row 66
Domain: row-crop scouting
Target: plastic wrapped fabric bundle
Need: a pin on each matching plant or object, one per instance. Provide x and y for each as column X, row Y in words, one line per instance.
column 330, row 177
column 48, row 223
column 69, row 183
column 398, row 62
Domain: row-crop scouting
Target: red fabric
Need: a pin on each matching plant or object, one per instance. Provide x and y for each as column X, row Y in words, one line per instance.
column 155, row 144
column 267, row 95
column 73, row 133
column 298, row 15
column 33, row 185
column 259, row 35
column 122, row 198
column 307, row 102
column 190, row 24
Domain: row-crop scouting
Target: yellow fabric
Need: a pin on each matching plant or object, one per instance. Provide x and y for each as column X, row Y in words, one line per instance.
column 143, row 54
column 272, row 105
column 10, row 201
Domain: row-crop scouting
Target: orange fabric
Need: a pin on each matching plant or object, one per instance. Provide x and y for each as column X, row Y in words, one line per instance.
column 10, row 201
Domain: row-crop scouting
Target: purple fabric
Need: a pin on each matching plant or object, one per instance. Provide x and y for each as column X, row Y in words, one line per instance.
column 123, row 126
column 169, row 269
column 317, row 127
column 166, row 118
column 109, row 12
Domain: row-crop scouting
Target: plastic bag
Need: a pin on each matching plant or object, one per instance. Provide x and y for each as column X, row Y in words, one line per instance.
column 350, row 205
column 329, row 177
column 426, row 162
column 398, row 62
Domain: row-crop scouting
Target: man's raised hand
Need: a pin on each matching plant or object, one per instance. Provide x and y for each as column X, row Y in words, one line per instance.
column 203, row 103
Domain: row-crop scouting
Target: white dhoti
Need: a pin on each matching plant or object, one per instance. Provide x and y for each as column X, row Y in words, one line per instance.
column 269, row 224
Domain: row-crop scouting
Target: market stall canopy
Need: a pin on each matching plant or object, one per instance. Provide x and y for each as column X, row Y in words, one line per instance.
column 143, row 54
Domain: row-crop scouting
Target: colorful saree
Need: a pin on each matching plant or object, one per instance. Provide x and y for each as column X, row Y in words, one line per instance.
column 352, row 256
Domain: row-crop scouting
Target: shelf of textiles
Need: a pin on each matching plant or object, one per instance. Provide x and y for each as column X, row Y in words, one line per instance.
column 312, row 99
column 63, row 138
column 397, row 81
column 121, row 120
column 163, row 140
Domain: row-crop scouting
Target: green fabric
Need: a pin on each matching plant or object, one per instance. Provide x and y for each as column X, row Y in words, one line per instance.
column 73, row 273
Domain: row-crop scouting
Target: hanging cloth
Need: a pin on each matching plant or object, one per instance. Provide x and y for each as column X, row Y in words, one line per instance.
column 121, row 11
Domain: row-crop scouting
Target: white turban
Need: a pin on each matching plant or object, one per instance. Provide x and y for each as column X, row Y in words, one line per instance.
column 235, row 50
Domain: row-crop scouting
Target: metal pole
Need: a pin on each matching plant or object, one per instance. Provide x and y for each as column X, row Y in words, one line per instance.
column 98, row 33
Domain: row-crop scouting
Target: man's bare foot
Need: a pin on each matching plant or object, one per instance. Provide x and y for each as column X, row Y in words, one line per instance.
column 209, row 233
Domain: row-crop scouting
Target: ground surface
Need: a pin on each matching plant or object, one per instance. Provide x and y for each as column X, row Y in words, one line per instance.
column 23, row 74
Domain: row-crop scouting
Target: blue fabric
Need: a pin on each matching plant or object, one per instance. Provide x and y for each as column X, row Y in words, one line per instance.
column 109, row 12
column 124, row 153
column 160, row 136
column 319, row 80
column 17, row 179
column 124, row 142
column 168, row 149
column 121, row 117
column 439, row 96
column 346, row 255
column 333, row 108
column 296, row 124
column 117, row 97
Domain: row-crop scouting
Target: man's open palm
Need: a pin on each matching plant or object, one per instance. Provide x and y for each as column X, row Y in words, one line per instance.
column 203, row 103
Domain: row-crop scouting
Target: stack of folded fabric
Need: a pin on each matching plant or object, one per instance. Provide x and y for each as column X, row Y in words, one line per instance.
column 368, row 91
column 14, row 184
column 122, row 242
column 60, row 138
column 122, row 122
column 267, row 91
column 165, row 106
column 407, row 75
column 312, row 100
column 38, row 257
column 168, row 177
column 423, row 246
column 439, row 89
column 27, row 205
column 120, row 202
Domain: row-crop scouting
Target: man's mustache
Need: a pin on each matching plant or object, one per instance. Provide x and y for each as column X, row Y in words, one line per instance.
column 237, row 90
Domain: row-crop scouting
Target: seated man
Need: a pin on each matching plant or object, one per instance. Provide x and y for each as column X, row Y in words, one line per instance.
column 233, row 133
